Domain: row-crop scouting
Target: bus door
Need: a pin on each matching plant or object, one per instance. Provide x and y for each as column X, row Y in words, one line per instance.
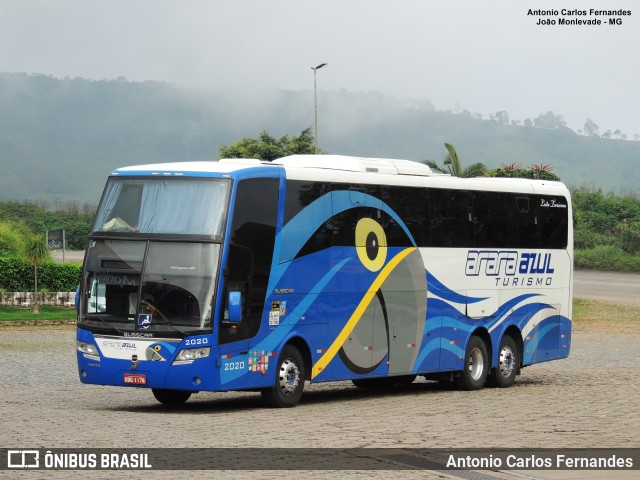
column 250, row 252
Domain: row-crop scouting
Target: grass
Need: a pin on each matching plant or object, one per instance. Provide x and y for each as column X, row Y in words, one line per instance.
column 598, row 316
column 26, row 315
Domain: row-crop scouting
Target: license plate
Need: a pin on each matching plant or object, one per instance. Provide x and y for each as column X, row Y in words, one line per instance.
column 135, row 378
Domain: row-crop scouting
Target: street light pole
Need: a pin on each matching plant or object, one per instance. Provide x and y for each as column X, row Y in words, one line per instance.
column 315, row 105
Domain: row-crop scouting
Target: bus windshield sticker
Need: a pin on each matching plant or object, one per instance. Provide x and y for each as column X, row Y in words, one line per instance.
column 274, row 314
column 144, row 321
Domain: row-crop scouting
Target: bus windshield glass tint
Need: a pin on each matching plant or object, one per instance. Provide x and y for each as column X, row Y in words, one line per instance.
column 163, row 206
column 149, row 286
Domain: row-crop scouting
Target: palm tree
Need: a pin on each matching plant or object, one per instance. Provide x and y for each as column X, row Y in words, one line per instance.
column 452, row 166
column 36, row 251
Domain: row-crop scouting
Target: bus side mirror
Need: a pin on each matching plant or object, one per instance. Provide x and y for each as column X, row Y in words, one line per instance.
column 235, row 307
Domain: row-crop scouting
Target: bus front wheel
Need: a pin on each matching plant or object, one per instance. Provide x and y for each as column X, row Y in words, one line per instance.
column 290, row 375
column 171, row 398
column 476, row 366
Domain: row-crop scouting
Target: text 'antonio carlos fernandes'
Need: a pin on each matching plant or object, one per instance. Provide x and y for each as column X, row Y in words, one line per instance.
column 533, row 462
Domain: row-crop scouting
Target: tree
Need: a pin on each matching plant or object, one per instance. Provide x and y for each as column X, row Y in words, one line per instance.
column 269, row 148
column 453, row 167
column 501, row 117
column 549, row 121
column 591, row 128
column 36, row 251
column 515, row 170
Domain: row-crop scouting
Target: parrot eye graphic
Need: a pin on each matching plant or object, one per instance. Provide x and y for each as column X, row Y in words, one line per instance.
column 371, row 244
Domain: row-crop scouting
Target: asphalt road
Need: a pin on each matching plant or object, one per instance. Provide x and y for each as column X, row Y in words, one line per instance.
column 70, row 256
column 608, row 286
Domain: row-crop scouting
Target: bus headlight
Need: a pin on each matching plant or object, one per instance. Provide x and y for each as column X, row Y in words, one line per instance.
column 193, row 353
column 88, row 350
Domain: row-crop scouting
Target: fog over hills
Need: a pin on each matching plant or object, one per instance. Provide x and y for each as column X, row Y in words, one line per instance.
column 60, row 138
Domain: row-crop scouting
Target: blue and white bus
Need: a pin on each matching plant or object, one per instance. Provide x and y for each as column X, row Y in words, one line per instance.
column 250, row 275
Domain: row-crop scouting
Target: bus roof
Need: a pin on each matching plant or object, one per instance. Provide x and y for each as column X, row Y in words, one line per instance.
column 342, row 168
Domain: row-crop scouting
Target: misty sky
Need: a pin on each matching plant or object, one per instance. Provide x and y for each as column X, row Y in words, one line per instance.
column 479, row 55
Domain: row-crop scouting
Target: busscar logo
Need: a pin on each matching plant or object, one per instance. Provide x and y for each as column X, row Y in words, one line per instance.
column 23, row 459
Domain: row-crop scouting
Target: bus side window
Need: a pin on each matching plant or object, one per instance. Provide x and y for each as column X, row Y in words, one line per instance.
column 451, row 223
column 490, row 218
column 412, row 206
column 554, row 221
column 344, row 223
column 524, row 230
column 298, row 195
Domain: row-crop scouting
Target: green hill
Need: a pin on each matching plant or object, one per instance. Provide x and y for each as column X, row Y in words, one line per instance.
column 59, row 138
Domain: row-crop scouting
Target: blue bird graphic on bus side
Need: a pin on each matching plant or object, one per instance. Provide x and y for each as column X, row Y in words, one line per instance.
column 385, row 329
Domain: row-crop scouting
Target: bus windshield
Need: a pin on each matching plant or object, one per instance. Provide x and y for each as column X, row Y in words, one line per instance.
column 147, row 286
column 163, row 205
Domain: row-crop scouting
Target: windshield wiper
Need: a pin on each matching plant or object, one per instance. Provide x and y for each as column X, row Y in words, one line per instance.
column 161, row 321
column 94, row 319
column 160, row 318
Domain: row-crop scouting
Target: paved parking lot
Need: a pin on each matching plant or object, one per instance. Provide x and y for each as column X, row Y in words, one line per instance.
column 591, row 399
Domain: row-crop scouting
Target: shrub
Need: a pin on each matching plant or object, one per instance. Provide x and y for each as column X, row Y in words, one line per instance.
column 586, row 238
column 628, row 237
column 12, row 239
column 608, row 258
column 59, row 277
column 606, row 220
column 17, row 276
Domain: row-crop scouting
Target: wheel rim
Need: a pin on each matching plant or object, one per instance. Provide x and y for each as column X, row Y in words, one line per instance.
column 289, row 377
column 476, row 363
column 507, row 361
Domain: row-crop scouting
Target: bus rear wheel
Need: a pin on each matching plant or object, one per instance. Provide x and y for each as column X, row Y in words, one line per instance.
column 476, row 366
column 290, row 376
column 171, row 398
column 504, row 375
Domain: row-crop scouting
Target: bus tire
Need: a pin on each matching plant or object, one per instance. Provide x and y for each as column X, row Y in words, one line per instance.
column 504, row 375
column 476, row 366
column 290, row 376
column 171, row 398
